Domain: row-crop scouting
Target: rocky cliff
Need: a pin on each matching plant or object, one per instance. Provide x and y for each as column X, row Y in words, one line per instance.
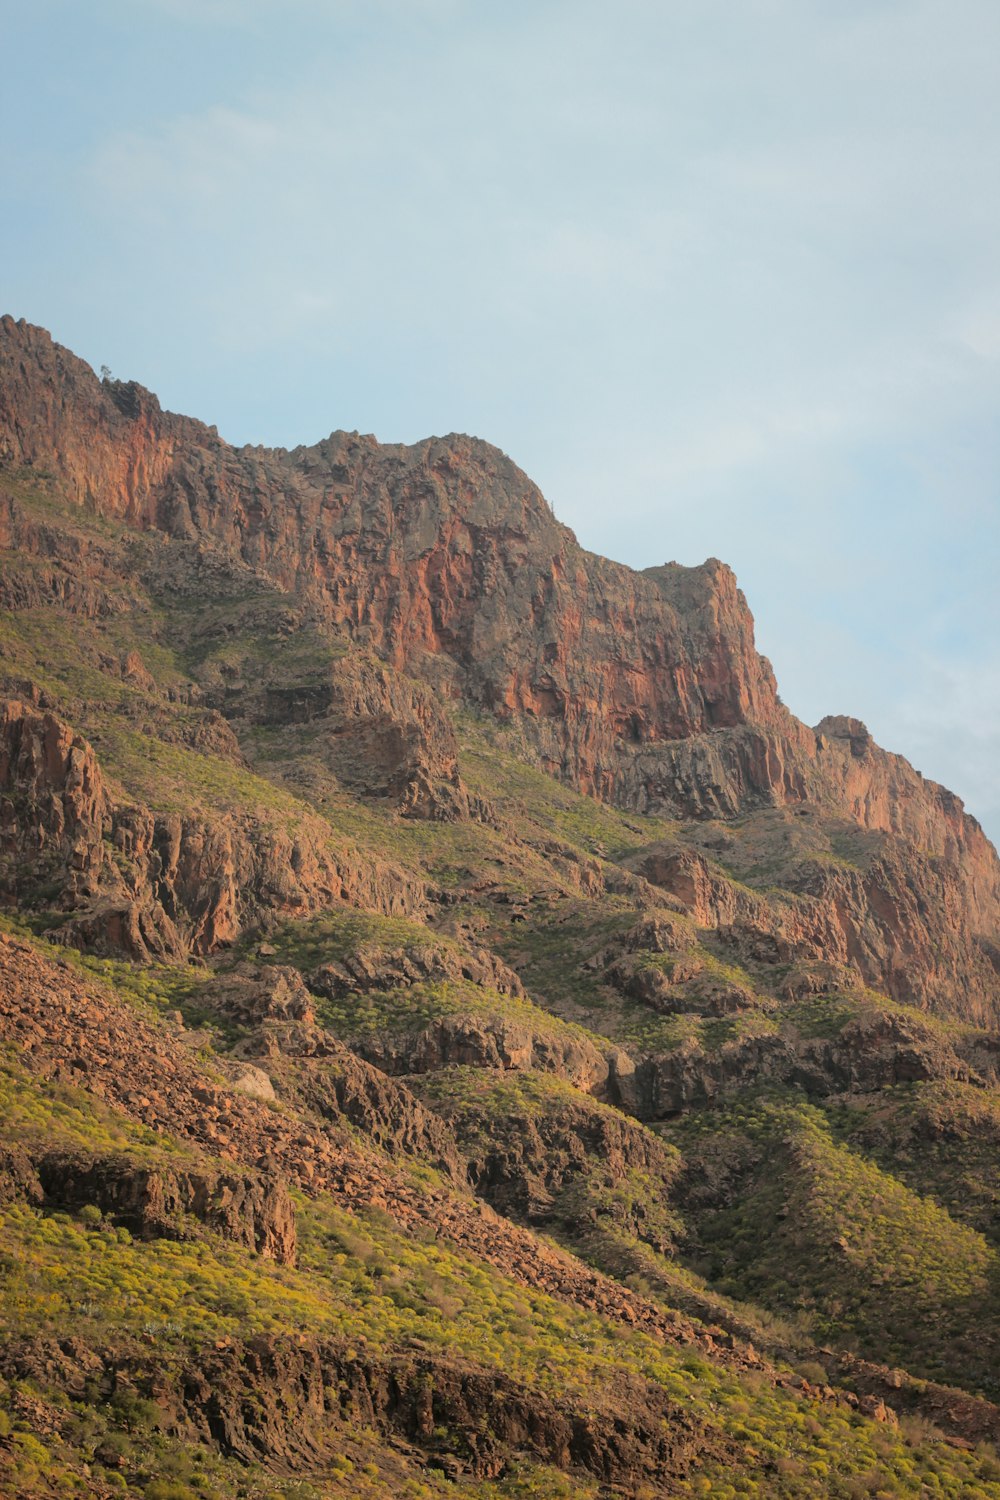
column 443, row 557
column 146, row 885
column 444, row 567
column 459, row 1033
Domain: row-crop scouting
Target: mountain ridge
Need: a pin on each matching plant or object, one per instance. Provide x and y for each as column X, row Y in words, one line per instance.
column 109, row 447
column 459, row 1032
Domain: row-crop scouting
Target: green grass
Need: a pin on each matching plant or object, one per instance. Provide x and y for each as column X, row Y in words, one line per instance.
column 809, row 1227
column 255, row 635
column 494, row 765
column 644, row 1030
column 457, row 856
column 551, row 950
column 58, row 1272
column 359, row 1279
column 547, row 1143
column 827, row 1015
column 332, row 936
column 486, row 1095
column 175, row 778
column 409, row 1008
column 768, row 847
column 50, row 1114
column 940, row 1138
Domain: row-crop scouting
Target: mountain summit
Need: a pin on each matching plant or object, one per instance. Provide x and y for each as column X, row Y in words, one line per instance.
column 390, row 882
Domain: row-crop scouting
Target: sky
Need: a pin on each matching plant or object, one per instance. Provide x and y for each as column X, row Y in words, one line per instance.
column 723, row 276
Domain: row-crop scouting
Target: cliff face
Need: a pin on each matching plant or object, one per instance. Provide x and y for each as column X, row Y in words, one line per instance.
column 444, row 549
column 444, row 560
column 155, row 885
column 319, row 998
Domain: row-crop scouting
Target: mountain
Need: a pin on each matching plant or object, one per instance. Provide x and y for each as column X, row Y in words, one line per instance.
column 462, row 1033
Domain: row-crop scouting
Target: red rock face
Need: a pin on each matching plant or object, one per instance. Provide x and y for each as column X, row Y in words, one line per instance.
column 52, row 802
column 180, row 884
column 901, row 923
column 444, row 559
column 444, row 548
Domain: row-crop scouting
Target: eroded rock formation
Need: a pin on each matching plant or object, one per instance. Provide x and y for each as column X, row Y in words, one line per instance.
column 157, row 885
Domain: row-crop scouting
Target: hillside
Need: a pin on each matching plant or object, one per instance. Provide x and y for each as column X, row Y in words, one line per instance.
column 461, row 1033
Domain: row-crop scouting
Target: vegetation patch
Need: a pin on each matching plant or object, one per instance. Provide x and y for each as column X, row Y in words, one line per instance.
column 809, row 1227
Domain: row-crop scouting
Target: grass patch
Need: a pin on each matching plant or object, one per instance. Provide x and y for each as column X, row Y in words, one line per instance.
column 47, row 1114
column 808, row 1226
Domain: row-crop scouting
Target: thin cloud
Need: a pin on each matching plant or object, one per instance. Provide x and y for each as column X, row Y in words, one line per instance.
column 722, row 278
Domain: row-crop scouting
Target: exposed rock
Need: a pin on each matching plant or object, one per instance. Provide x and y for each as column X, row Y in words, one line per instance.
column 682, row 985
column 899, row 922
column 54, row 807
column 284, row 1402
column 375, row 967
column 705, row 895
column 158, row 885
column 251, row 1209
column 336, row 1085
column 248, row 1079
column 971, row 1418
column 425, row 1399
column 444, row 548
column 445, row 559
column 810, row 977
column 65, row 1029
column 134, row 670
column 389, row 737
column 318, row 1073
column 874, row 1051
column 252, row 994
column 19, row 1181
column 552, row 1157
column 660, row 932
column 488, row 1041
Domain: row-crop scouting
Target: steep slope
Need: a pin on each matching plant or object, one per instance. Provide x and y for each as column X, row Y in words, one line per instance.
column 444, row 561
column 458, row 1032
column 446, row 551
column 412, row 1311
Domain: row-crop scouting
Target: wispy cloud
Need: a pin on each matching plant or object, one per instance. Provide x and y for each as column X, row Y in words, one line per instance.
column 723, row 278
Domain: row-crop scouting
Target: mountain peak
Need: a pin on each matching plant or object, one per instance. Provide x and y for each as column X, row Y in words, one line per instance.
column 643, row 688
column 363, row 835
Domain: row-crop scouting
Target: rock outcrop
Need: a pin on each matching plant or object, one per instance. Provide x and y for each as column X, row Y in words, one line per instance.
column 444, row 565
column 19, row 1180
column 54, row 807
column 158, row 884
column 548, row 1156
column 251, row 1209
column 899, row 921
column 489, row 1041
column 305, row 1064
column 67, row 1030
column 443, row 549
column 377, row 967
column 155, row 1200
column 244, row 690
column 285, row 1402
column 444, row 559
column 873, row 1052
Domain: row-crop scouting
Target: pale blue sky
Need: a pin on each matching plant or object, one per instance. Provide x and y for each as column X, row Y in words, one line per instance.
column 722, row 275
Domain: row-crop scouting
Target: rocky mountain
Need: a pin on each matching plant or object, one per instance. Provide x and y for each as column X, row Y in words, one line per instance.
column 463, row 1034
